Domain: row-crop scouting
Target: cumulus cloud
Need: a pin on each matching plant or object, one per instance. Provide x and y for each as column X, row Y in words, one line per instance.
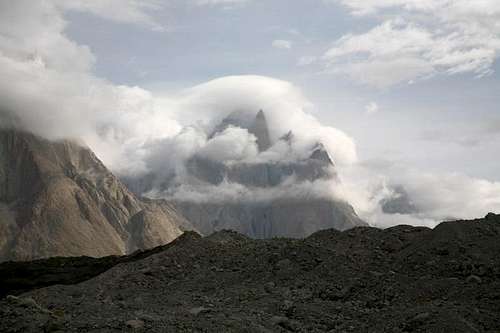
column 48, row 87
column 282, row 44
column 233, row 144
column 436, row 196
column 286, row 108
column 417, row 40
column 232, row 192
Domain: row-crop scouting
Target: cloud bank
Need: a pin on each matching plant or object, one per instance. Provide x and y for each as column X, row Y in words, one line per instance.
column 417, row 40
column 436, row 196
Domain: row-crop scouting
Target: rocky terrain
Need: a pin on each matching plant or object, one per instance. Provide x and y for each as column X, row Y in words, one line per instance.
column 402, row 279
column 58, row 199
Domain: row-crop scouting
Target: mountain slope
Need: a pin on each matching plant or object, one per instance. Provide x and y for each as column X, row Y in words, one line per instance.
column 402, row 279
column 58, row 199
column 278, row 218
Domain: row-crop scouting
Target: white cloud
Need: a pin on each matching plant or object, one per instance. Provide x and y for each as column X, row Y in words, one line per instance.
column 371, row 108
column 233, row 144
column 437, row 196
column 367, row 7
column 417, row 40
column 306, row 60
column 228, row 192
column 285, row 107
column 48, row 87
column 452, row 195
column 282, row 44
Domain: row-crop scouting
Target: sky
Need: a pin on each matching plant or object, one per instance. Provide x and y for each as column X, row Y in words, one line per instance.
column 407, row 90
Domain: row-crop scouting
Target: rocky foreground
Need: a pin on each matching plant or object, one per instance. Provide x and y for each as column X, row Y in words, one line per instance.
column 403, row 279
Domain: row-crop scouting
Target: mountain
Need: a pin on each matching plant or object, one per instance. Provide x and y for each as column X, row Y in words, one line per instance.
column 401, row 279
column 58, row 199
column 269, row 209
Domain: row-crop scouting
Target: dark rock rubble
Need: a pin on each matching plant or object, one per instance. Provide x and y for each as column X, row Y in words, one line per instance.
column 402, row 279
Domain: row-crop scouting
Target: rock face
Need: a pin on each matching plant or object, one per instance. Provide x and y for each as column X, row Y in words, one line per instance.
column 401, row 279
column 58, row 199
column 261, row 131
column 280, row 213
column 278, row 218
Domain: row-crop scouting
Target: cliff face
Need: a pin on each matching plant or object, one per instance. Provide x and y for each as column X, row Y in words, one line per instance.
column 261, row 131
column 277, row 218
column 58, row 199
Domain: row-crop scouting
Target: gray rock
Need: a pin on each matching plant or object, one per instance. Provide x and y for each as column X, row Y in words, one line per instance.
column 286, row 323
column 473, row 279
column 278, row 320
column 261, row 131
column 339, row 294
column 58, row 199
column 134, row 324
column 284, row 264
column 198, row 310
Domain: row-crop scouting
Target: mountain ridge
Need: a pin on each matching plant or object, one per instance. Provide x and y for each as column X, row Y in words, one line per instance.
column 58, row 198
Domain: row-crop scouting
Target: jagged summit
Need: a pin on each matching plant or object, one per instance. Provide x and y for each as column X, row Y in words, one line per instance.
column 256, row 124
column 260, row 129
column 321, row 154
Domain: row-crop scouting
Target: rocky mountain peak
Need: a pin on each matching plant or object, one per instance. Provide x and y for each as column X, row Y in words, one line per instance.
column 58, row 199
column 260, row 129
column 288, row 137
column 321, row 154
